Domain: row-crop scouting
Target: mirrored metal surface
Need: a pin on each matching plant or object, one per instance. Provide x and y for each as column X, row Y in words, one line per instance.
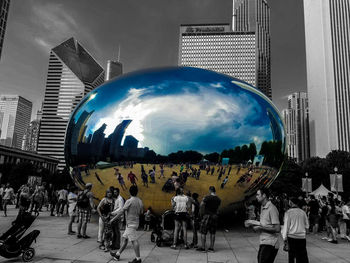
column 208, row 128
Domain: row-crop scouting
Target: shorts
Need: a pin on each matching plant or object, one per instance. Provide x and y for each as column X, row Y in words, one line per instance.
column 84, row 216
column 181, row 216
column 314, row 219
column 208, row 223
column 130, row 233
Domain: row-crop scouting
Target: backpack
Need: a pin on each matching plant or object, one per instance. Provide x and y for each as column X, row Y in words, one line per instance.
column 83, row 200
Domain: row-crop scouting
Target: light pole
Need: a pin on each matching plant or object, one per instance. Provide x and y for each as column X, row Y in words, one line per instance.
column 307, row 184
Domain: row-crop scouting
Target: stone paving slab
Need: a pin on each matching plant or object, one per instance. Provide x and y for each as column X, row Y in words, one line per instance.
column 239, row 245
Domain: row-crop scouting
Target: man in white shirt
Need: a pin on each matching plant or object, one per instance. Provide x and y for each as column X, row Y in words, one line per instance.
column 7, row 197
column 62, row 201
column 346, row 217
column 294, row 230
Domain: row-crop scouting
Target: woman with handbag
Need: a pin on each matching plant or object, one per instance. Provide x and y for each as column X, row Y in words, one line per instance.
column 294, row 230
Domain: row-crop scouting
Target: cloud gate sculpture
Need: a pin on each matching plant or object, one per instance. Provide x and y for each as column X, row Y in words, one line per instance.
column 174, row 127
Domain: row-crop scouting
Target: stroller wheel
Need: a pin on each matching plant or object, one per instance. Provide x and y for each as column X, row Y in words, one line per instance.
column 28, row 254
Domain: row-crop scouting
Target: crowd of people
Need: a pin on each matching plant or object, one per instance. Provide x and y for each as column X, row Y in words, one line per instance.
column 298, row 216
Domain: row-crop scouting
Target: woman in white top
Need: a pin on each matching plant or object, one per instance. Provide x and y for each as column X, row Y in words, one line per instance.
column 294, row 230
column 72, row 203
column 181, row 205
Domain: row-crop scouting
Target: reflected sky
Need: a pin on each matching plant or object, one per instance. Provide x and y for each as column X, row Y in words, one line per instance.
column 181, row 109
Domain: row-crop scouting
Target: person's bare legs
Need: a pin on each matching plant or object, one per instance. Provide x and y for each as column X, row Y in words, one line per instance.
column 184, row 228
column 136, row 247
column 125, row 243
column 176, row 232
column 212, row 241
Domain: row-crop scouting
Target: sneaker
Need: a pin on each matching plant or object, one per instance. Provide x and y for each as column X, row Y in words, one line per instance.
column 115, row 255
column 333, row 242
column 135, row 260
column 86, row 236
column 102, row 247
column 79, row 236
column 173, row 246
column 211, row 250
column 71, row 233
column 200, row 249
column 324, row 238
column 186, row 247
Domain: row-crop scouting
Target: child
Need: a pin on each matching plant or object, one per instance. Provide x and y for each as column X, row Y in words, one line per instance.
column 148, row 217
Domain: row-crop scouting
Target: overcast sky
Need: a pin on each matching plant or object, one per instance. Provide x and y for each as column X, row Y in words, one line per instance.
column 147, row 32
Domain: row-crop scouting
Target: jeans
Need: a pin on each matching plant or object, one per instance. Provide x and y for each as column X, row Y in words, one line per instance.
column 297, row 250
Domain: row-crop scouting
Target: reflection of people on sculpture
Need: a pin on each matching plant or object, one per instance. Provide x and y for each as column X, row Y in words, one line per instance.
column 224, row 182
column 132, row 178
column 144, row 178
column 120, row 179
column 98, row 178
column 104, row 210
column 152, row 175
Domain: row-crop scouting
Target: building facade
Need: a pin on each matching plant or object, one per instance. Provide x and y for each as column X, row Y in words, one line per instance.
column 296, row 119
column 253, row 16
column 327, row 45
column 30, row 137
column 15, row 113
column 4, row 9
column 114, row 69
column 72, row 73
column 216, row 47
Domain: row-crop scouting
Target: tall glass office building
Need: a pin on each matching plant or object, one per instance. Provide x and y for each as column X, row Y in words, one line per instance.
column 216, row 47
column 15, row 112
column 327, row 43
column 72, row 73
column 254, row 16
column 296, row 119
column 4, row 9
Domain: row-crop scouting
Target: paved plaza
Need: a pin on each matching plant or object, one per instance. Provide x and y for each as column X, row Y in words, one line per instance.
column 236, row 245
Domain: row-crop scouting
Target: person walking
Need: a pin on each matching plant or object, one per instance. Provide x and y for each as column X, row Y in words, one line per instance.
column 104, row 210
column 181, row 205
column 296, row 224
column 133, row 208
column 62, row 201
column 269, row 227
column 85, row 207
column 208, row 211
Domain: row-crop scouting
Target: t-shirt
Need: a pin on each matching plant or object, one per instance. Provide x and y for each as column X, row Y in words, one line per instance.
column 133, row 208
column 62, row 194
column 8, row 193
column 180, row 203
column 345, row 210
column 212, row 203
column 295, row 224
column 269, row 216
column 314, row 207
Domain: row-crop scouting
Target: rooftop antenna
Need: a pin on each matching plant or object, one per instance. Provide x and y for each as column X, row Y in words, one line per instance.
column 118, row 53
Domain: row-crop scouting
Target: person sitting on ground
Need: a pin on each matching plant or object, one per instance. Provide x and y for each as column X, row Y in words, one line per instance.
column 133, row 208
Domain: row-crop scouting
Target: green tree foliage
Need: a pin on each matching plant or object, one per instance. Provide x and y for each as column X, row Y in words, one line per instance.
column 212, row 157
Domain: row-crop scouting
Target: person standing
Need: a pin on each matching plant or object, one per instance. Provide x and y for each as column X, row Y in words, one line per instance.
column 346, row 217
column 208, row 210
column 118, row 207
column 269, row 228
column 133, row 208
column 195, row 219
column 104, row 209
column 2, row 189
column 294, row 231
column 7, row 197
column 85, row 207
column 132, row 178
column 181, row 205
column 62, row 201
column 72, row 210
column 314, row 216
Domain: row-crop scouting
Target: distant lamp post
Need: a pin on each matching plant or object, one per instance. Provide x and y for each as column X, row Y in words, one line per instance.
column 335, row 169
column 307, row 184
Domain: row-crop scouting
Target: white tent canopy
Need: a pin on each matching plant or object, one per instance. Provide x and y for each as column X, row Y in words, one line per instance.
column 321, row 191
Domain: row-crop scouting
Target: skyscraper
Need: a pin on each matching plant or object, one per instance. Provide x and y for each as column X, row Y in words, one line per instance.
column 15, row 113
column 296, row 119
column 30, row 137
column 114, row 69
column 327, row 45
column 253, row 16
column 4, row 9
column 216, row 47
column 72, row 73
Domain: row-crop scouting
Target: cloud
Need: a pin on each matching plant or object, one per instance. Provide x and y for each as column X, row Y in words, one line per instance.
column 187, row 119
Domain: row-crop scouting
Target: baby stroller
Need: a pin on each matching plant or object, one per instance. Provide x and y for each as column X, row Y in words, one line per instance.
column 11, row 243
column 164, row 231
